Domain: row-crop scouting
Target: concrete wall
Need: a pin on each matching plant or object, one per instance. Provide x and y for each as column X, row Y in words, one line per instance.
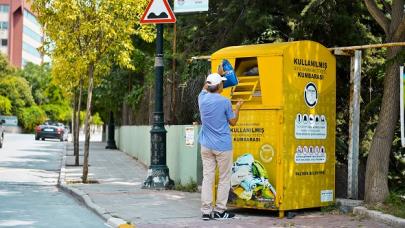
column 184, row 161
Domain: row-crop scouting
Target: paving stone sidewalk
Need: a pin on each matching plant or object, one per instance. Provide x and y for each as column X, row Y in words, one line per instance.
column 118, row 194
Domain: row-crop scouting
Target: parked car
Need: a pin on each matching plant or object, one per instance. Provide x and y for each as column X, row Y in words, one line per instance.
column 1, row 133
column 51, row 130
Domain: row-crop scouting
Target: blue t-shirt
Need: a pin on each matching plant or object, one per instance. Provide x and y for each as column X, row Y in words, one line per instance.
column 215, row 111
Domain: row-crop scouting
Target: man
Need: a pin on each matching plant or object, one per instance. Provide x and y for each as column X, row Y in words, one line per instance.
column 216, row 145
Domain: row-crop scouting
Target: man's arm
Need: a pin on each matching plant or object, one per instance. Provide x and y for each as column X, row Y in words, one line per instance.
column 234, row 120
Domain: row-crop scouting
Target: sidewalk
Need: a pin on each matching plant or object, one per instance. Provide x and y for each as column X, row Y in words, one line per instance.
column 118, row 198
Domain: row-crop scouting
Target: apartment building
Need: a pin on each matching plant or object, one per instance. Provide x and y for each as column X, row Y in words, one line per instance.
column 20, row 33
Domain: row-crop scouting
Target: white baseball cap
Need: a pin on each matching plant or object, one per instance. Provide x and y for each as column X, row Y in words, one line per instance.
column 215, row 79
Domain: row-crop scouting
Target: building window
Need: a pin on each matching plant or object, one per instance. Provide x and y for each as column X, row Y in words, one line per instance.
column 31, row 18
column 4, row 42
column 29, row 32
column 31, row 50
column 3, row 25
column 4, row 8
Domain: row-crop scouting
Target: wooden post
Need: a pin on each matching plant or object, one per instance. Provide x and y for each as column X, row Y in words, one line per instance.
column 401, row 107
column 354, row 125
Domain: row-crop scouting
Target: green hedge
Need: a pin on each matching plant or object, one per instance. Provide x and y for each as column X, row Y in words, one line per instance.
column 31, row 117
column 5, row 106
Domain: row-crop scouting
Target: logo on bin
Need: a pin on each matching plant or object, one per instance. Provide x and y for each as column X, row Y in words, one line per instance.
column 311, row 95
column 266, row 153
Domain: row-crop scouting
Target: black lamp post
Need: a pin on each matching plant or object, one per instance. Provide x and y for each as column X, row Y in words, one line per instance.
column 158, row 173
column 111, row 133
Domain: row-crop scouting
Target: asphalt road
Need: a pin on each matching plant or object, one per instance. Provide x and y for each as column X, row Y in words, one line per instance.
column 29, row 197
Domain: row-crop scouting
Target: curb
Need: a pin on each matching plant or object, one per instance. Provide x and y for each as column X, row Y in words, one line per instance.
column 84, row 197
column 347, row 205
column 380, row 217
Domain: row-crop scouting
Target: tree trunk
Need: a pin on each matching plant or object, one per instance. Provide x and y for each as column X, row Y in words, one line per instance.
column 77, row 125
column 376, row 187
column 75, row 105
column 124, row 113
column 87, row 125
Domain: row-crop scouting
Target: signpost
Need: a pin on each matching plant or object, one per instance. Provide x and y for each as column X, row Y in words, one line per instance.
column 158, row 12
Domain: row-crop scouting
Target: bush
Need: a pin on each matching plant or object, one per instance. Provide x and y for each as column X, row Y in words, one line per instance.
column 5, row 106
column 58, row 112
column 31, row 117
column 393, row 205
column 18, row 91
column 96, row 119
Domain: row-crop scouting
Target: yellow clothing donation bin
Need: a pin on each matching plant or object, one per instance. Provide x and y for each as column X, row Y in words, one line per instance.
column 284, row 141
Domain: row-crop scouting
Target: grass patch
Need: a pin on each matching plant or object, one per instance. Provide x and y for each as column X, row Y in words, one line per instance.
column 329, row 208
column 332, row 209
column 393, row 205
column 191, row 186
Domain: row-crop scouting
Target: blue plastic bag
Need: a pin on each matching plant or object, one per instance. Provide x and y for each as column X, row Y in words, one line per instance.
column 231, row 78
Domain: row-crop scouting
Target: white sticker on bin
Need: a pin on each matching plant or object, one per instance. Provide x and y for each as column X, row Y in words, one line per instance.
column 310, row 126
column 310, row 154
column 326, row 195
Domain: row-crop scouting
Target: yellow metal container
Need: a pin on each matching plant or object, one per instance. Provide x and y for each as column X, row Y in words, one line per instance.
column 284, row 142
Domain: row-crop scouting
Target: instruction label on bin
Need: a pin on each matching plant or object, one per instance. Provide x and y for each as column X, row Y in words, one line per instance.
column 310, row 154
column 326, row 195
column 309, row 126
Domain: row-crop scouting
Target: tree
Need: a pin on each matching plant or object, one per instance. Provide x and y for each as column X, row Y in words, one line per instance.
column 5, row 67
column 121, row 91
column 96, row 33
column 5, row 106
column 17, row 90
column 39, row 78
column 31, row 117
column 72, row 81
column 390, row 17
column 47, row 94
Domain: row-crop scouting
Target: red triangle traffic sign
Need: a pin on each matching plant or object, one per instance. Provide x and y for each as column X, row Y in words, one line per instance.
column 157, row 12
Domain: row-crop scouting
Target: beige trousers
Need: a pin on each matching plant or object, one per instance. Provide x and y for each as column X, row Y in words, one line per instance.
column 211, row 159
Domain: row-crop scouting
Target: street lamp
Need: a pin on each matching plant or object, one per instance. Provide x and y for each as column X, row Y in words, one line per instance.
column 158, row 172
column 111, row 133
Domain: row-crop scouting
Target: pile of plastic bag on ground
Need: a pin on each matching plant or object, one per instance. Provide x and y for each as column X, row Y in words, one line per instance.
column 250, row 180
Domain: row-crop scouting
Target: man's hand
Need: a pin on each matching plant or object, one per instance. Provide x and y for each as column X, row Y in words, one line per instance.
column 239, row 104
column 221, row 70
